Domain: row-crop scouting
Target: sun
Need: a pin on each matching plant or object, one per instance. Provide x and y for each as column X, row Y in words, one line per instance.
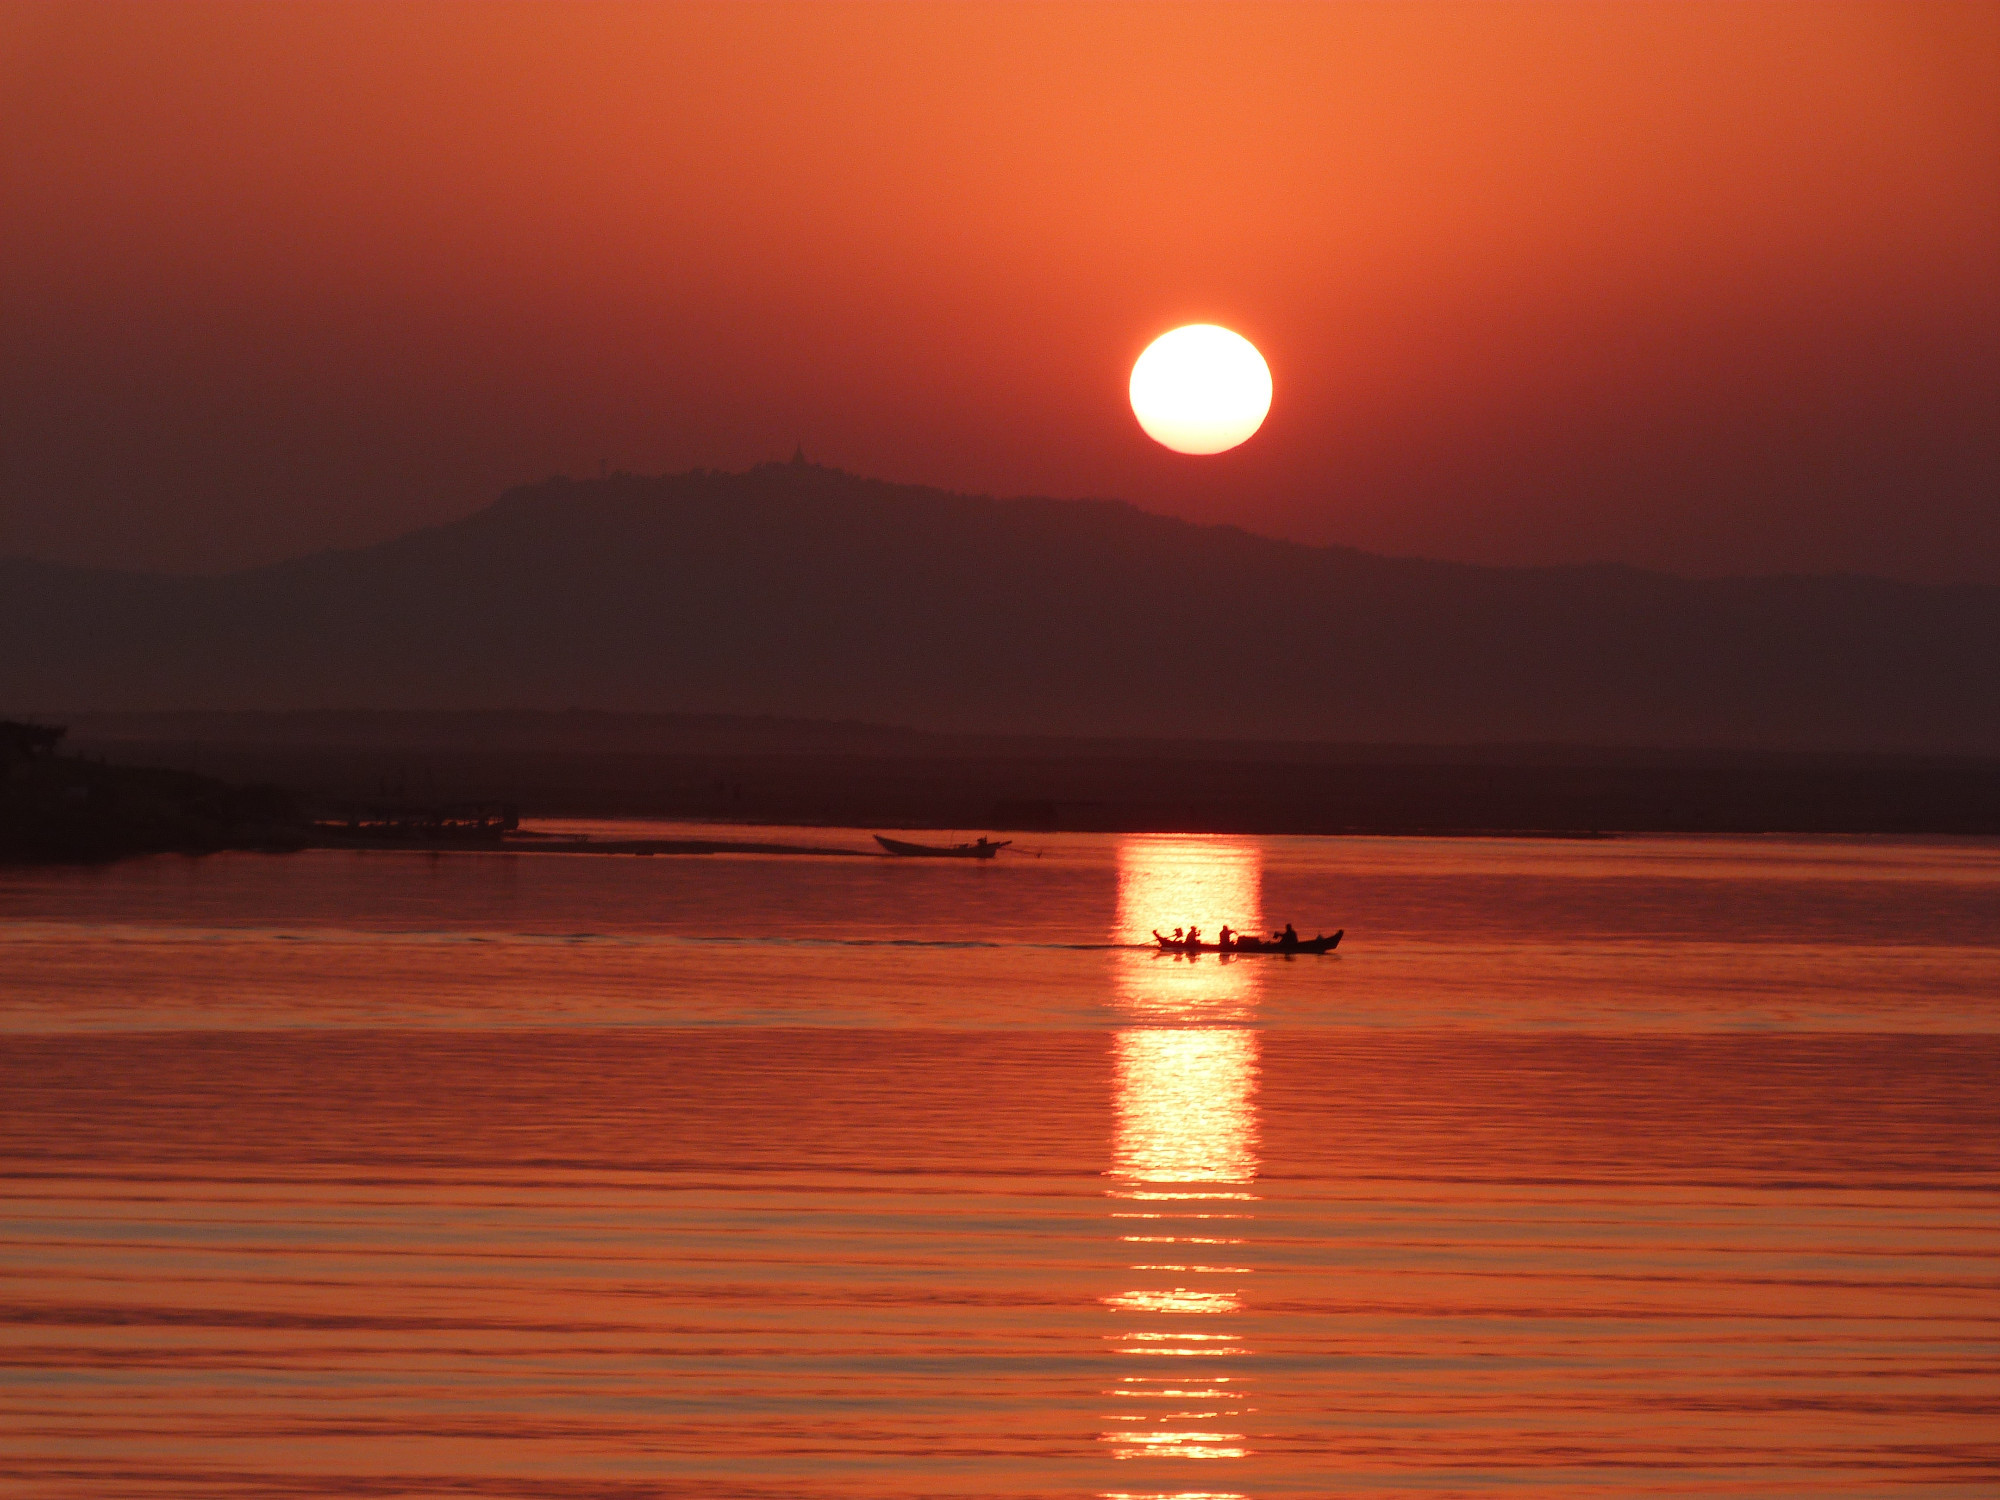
column 1201, row 389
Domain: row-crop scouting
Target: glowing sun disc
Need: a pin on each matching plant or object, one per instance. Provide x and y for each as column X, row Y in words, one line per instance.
column 1201, row 389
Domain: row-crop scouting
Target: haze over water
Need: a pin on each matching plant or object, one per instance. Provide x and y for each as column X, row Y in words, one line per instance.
column 1644, row 1166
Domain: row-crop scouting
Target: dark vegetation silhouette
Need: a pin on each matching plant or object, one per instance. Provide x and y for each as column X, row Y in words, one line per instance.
column 802, row 591
column 56, row 807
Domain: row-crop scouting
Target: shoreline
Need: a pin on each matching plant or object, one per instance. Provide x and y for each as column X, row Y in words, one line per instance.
column 1557, row 793
column 546, row 845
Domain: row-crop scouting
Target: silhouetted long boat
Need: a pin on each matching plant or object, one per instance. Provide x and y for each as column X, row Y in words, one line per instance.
column 983, row 849
column 1252, row 945
column 457, row 823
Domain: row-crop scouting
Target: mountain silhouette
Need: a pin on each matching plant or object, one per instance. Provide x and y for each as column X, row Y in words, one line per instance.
column 799, row 590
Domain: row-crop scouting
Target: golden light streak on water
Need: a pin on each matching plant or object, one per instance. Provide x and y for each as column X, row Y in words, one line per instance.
column 1188, row 1444
column 1185, row 880
column 1186, row 1109
column 1180, row 1300
column 1185, row 1135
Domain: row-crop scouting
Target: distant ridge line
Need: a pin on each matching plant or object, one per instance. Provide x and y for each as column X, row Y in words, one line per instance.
column 798, row 592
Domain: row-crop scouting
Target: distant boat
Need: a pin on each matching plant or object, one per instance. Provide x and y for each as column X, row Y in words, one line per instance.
column 981, row 849
column 1252, row 945
column 456, row 823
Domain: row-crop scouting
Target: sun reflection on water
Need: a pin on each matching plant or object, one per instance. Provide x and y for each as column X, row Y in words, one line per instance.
column 1186, row 1110
column 1185, row 1150
column 1186, row 881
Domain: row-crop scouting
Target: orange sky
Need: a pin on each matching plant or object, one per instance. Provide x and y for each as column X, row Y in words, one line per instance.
column 1711, row 289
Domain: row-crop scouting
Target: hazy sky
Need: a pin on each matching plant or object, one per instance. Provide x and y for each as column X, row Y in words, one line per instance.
column 1709, row 289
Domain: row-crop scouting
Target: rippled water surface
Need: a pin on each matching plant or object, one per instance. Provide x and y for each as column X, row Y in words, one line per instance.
column 1632, row 1167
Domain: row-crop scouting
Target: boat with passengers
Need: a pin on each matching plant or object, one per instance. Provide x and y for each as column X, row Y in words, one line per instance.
column 1190, row 942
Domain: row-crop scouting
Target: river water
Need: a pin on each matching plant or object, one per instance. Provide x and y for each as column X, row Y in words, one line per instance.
column 1591, row 1168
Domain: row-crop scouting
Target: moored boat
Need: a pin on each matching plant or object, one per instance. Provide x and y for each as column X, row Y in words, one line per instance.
column 981, row 848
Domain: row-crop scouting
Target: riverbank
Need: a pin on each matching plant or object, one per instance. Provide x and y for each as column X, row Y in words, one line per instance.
column 532, row 844
column 218, row 787
column 778, row 774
